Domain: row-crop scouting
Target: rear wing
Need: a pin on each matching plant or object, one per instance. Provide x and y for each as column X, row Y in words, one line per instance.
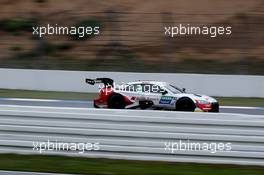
column 106, row 81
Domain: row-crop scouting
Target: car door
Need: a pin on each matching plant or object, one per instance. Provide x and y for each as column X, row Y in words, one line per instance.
column 164, row 99
column 152, row 92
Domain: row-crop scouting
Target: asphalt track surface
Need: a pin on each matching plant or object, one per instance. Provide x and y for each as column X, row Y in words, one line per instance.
column 89, row 104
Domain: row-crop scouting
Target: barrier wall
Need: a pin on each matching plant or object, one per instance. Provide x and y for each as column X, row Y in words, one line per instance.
column 133, row 134
column 73, row 81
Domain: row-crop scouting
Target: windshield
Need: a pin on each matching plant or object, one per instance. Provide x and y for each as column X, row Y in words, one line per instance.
column 174, row 89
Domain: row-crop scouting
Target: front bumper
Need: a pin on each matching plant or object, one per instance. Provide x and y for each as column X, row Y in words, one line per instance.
column 211, row 107
column 214, row 107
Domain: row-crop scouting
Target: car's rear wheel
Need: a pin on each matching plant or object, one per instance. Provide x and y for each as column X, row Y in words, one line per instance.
column 185, row 104
column 116, row 101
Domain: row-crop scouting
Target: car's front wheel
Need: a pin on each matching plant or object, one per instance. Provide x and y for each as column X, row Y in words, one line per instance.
column 185, row 104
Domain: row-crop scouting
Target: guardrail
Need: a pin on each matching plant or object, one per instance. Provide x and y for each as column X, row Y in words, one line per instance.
column 134, row 134
column 73, row 81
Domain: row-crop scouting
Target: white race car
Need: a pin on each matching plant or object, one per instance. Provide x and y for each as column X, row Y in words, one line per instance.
column 150, row 94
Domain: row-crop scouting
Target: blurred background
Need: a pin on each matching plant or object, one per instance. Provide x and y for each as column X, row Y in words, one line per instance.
column 132, row 36
column 131, row 39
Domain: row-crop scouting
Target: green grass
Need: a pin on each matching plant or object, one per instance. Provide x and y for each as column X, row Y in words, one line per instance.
column 239, row 101
column 58, row 164
column 7, row 93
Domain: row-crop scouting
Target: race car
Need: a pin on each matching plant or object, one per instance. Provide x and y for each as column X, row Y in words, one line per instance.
column 149, row 95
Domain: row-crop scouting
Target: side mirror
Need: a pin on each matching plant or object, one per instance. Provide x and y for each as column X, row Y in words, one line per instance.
column 183, row 89
column 164, row 92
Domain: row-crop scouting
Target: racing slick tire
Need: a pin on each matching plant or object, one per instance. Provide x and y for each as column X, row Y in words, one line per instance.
column 185, row 104
column 116, row 101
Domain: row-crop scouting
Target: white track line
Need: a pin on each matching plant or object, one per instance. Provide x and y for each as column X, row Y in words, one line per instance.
column 43, row 107
column 44, row 100
column 241, row 107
